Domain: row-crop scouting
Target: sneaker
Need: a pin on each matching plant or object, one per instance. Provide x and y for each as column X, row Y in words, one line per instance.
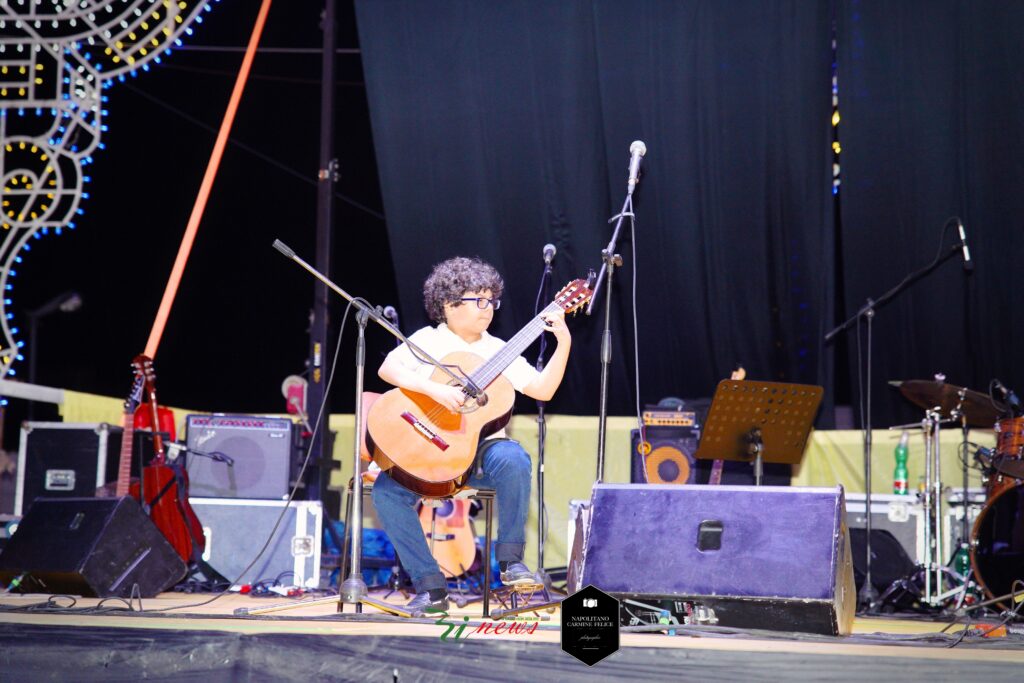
column 422, row 602
column 517, row 574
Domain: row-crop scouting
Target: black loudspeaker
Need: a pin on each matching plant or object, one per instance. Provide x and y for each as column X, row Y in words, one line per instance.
column 261, row 448
column 750, row 557
column 669, row 456
column 98, row 547
column 889, row 561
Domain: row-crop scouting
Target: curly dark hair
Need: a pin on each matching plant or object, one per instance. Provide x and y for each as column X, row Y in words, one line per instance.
column 451, row 279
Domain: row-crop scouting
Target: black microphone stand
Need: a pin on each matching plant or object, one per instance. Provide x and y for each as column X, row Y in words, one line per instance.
column 542, row 433
column 353, row 589
column 868, row 596
column 611, row 261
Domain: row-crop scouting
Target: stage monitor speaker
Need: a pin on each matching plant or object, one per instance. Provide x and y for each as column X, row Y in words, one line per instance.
column 96, row 547
column 758, row 557
column 261, row 448
column 669, row 452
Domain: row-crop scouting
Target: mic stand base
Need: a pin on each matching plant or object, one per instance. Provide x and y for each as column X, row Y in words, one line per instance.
column 867, row 599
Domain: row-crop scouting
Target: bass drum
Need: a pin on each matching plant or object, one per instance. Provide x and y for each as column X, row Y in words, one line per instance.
column 997, row 544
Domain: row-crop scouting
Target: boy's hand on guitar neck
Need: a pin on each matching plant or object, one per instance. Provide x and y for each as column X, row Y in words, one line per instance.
column 555, row 324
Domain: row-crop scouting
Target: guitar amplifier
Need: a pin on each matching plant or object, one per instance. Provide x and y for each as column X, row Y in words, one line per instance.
column 260, row 448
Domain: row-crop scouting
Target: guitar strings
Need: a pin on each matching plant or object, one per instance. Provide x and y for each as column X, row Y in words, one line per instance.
column 489, row 371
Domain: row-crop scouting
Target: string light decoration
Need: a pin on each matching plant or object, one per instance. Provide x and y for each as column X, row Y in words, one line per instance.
column 836, row 147
column 56, row 59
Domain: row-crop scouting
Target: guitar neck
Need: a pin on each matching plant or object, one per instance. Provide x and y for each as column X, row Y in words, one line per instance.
column 159, row 457
column 716, row 473
column 124, row 467
column 512, row 349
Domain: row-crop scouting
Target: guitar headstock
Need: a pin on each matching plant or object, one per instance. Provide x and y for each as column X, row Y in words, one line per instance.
column 574, row 295
column 143, row 365
column 135, row 395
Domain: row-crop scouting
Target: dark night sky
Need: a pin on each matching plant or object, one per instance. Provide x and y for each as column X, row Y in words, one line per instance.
column 238, row 326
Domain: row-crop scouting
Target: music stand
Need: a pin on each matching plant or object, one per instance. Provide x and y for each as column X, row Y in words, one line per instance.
column 759, row 422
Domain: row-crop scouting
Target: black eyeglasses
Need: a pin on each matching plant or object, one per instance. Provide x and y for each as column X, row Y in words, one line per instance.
column 482, row 301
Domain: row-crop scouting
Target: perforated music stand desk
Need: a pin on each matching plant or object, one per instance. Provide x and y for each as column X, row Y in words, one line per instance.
column 759, row 422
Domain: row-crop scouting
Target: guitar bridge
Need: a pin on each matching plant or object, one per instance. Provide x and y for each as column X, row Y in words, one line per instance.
column 424, row 431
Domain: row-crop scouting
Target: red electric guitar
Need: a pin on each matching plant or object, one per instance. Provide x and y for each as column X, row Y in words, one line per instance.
column 164, row 493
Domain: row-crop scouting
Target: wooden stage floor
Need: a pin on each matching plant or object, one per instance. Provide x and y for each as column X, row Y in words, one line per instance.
column 176, row 637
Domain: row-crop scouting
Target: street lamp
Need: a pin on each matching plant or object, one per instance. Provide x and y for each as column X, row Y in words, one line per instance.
column 63, row 303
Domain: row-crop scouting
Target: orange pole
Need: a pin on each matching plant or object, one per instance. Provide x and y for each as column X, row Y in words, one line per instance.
column 204, row 190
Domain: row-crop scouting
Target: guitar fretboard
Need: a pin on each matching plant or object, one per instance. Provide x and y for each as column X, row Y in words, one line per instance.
column 124, row 467
column 512, row 349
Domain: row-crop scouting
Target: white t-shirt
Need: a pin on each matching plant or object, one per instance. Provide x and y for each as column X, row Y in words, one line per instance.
column 440, row 341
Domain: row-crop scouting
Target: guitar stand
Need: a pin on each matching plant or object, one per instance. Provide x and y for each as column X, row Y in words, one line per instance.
column 395, row 583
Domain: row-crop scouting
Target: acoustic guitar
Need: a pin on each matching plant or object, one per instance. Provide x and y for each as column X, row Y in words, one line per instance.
column 449, row 532
column 122, row 486
column 429, row 449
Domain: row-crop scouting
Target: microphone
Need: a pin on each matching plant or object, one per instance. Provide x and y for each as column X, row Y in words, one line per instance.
column 1009, row 398
column 968, row 263
column 391, row 314
column 636, row 150
column 284, row 248
column 549, row 253
column 175, row 449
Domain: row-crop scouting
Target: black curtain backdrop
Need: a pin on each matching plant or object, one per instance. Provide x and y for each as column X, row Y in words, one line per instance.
column 931, row 96
column 500, row 127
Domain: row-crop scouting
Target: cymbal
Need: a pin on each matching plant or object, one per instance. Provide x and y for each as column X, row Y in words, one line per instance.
column 978, row 408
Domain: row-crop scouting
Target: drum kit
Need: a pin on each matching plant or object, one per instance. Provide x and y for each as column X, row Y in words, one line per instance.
column 995, row 542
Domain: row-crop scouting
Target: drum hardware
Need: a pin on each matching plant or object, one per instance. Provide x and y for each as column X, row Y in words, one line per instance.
column 949, row 403
column 933, row 567
column 977, row 408
column 1016, row 596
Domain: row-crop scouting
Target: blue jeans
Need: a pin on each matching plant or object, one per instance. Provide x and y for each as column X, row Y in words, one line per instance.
column 506, row 468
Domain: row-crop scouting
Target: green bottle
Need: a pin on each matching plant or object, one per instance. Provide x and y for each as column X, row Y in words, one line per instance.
column 899, row 475
column 962, row 561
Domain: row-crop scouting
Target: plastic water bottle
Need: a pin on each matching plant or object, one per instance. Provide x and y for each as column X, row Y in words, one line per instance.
column 899, row 475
